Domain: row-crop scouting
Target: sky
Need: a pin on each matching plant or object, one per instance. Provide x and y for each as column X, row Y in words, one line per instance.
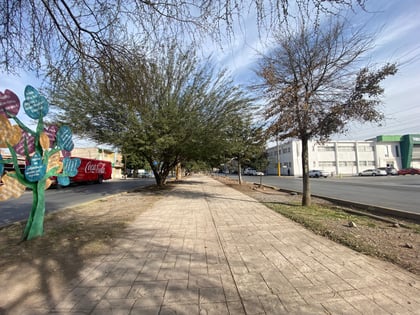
column 397, row 23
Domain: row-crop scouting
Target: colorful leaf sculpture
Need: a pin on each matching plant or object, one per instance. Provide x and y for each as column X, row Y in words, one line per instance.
column 65, row 153
column 70, row 166
column 26, row 140
column 1, row 166
column 36, row 170
column 51, row 132
column 9, row 104
column 54, row 161
column 41, row 150
column 11, row 187
column 44, row 141
column 8, row 133
column 35, row 105
column 48, row 183
column 64, row 138
column 63, row 180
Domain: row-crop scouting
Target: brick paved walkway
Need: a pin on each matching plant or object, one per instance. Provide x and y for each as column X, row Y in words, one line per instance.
column 209, row 249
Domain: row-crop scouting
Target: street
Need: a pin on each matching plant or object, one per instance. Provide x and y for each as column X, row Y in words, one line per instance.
column 18, row 209
column 394, row 192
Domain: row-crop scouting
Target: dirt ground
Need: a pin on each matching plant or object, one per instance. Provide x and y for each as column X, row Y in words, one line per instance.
column 31, row 270
column 399, row 244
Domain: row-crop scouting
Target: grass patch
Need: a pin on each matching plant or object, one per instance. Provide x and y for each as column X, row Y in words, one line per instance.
column 333, row 224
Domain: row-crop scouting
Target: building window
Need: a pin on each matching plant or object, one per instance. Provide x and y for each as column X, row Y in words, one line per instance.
column 347, row 163
column 365, row 148
column 327, row 163
column 366, row 163
column 346, row 148
column 326, row 148
column 397, row 151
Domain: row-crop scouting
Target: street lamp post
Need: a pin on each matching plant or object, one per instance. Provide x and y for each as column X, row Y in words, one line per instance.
column 278, row 158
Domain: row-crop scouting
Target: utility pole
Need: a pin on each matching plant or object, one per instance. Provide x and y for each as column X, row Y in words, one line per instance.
column 278, row 157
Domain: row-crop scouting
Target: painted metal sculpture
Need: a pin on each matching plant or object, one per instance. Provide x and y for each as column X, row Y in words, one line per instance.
column 41, row 151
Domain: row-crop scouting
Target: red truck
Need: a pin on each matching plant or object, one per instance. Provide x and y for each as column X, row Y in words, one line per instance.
column 91, row 170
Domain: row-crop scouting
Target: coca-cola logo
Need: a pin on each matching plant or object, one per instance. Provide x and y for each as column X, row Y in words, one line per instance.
column 95, row 167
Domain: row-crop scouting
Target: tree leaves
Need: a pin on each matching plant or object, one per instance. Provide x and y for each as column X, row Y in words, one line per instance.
column 169, row 108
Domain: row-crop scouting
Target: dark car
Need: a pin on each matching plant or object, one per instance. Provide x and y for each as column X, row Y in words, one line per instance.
column 409, row 171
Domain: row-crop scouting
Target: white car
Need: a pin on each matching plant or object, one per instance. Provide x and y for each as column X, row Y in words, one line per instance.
column 318, row 173
column 373, row 172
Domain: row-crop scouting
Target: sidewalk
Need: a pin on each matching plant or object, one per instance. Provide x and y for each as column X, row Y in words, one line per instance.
column 209, row 249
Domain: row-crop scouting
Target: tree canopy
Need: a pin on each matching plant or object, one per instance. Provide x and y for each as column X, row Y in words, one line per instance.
column 59, row 37
column 167, row 109
column 315, row 83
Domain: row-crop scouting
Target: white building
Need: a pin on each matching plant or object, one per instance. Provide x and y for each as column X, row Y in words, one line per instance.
column 346, row 157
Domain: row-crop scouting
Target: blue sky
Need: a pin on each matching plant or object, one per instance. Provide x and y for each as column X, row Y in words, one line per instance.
column 398, row 24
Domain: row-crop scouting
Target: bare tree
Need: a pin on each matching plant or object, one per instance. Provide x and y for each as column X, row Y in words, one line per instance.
column 314, row 84
column 59, row 36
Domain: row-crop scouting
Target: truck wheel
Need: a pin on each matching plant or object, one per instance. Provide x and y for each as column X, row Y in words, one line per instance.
column 100, row 180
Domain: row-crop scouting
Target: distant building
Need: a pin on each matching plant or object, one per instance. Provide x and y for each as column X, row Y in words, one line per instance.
column 346, row 157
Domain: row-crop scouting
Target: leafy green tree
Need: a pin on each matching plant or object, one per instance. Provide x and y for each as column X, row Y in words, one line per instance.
column 167, row 109
column 314, row 84
column 245, row 144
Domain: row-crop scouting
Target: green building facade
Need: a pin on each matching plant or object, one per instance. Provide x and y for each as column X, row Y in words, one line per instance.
column 409, row 148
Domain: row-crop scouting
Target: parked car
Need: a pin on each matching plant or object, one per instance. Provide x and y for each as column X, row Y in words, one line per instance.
column 318, row 173
column 389, row 170
column 409, row 171
column 249, row 171
column 259, row 173
column 373, row 172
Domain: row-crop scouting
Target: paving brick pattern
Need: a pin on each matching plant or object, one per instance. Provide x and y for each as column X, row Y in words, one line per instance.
column 208, row 249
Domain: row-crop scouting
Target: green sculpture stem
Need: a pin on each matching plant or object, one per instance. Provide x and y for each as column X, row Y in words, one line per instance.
column 35, row 224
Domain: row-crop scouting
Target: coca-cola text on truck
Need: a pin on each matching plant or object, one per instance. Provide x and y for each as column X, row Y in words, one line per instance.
column 91, row 170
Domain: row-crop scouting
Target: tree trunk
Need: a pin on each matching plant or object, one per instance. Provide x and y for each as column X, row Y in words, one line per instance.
column 178, row 171
column 160, row 179
column 35, row 224
column 306, row 196
column 240, row 173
